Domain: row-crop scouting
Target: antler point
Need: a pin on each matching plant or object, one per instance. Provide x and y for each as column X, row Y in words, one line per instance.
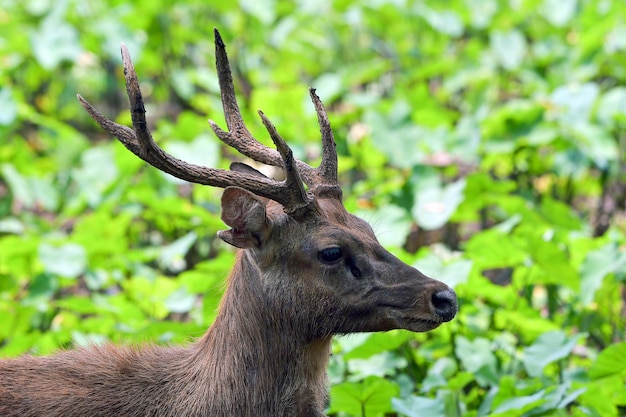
column 218, row 38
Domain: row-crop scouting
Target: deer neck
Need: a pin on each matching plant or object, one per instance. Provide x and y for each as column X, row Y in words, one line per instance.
column 256, row 359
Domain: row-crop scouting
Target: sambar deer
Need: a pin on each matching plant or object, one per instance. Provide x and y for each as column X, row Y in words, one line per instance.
column 306, row 269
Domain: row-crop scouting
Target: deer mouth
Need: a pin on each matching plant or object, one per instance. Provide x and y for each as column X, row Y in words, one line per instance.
column 411, row 320
column 416, row 324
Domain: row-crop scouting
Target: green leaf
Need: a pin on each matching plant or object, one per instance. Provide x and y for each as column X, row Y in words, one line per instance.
column 559, row 12
column 11, row 225
column 560, row 214
column 149, row 294
column 180, row 301
column 203, row 151
column 381, row 364
column 419, row 407
column 452, row 274
column 264, row 10
column 8, row 108
column 602, row 395
column 365, row 345
column 173, row 256
column 570, row 398
column 370, row 398
column 459, row 381
column 391, row 223
column 434, row 206
column 481, row 12
column 519, row 405
column 84, row 339
column 30, row 191
column 18, row 184
column 574, row 102
column 475, row 354
column 43, row 285
column 208, row 276
column 68, row 260
column 56, row 40
column 96, row 279
column 525, row 321
column 394, row 134
column 439, row 373
column 96, row 173
column 329, row 85
column 446, row 21
column 80, row 304
column 494, row 249
column 596, row 266
column 554, row 265
column 609, row 362
column 596, row 142
column 612, row 104
column 509, row 48
column 549, row 347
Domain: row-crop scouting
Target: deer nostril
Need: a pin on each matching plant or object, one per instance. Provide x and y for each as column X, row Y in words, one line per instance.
column 445, row 304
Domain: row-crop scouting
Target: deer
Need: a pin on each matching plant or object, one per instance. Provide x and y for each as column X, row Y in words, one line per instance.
column 305, row 270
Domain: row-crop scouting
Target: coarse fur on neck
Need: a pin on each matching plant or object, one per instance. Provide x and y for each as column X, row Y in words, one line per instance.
column 276, row 370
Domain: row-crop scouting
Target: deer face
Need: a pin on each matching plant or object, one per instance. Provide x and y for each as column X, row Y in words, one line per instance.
column 365, row 283
column 329, row 274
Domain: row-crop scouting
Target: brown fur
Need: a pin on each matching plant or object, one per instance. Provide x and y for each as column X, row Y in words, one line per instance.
column 267, row 352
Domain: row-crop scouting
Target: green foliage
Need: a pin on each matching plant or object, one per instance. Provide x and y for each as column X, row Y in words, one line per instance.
column 484, row 140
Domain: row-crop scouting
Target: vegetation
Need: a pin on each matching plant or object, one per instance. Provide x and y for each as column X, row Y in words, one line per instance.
column 483, row 139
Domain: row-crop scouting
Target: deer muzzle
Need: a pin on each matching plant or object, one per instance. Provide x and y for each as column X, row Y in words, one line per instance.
column 445, row 304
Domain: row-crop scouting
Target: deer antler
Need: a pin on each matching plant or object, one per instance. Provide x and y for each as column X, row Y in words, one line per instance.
column 321, row 180
column 290, row 192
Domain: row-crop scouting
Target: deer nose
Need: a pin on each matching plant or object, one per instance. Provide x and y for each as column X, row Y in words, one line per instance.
column 445, row 304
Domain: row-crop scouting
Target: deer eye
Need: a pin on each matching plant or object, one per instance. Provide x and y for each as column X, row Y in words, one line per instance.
column 330, row 255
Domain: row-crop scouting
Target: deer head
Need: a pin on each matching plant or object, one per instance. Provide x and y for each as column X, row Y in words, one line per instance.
column 322, row 267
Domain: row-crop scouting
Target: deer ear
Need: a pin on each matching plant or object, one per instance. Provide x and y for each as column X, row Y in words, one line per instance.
column 244, row 212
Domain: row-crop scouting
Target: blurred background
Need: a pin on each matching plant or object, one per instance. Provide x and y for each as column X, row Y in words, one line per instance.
column 484, row 140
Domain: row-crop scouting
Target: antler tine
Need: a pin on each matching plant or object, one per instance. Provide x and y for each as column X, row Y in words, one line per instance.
column 139, row 141
column 125, row 134
column 328, row 166
column 298, row 195
column 238, row 135
column 327, row 170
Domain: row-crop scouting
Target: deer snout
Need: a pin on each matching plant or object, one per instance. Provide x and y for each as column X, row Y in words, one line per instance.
column 445, row 304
